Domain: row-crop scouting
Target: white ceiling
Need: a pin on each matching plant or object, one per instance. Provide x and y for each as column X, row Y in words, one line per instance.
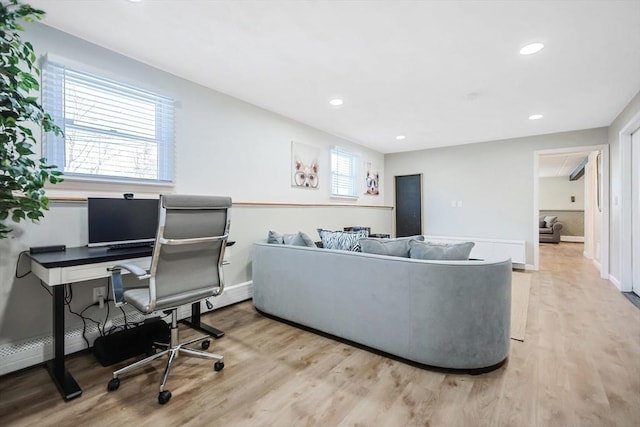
column 440, row 72
column 556, row 165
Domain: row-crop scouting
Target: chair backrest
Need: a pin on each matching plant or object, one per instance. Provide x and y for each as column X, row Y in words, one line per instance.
column 187, row 257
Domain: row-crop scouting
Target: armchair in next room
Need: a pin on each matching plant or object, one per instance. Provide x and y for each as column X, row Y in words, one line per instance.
column 550, row 228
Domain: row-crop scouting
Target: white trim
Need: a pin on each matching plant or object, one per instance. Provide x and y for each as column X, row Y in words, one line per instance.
column 530, row 267
column 572, row 239
column 615, row 281
column 626, row 269
column 604, row 247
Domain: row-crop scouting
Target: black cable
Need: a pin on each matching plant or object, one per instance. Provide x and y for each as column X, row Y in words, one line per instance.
column 45, row 288
column 67, row 302
column 20, row 276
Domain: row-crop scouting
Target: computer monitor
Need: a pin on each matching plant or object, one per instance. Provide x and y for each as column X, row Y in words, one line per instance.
column 122, row 222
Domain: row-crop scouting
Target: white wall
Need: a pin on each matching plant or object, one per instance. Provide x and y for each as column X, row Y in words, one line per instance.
column 224, row 146
column 494, row 181
column 555, row 193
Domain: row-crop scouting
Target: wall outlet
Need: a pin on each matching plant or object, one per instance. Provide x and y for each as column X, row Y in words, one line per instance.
column 99, row 294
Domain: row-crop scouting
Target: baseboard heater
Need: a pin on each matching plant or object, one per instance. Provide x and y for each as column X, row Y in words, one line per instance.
column 488, row 248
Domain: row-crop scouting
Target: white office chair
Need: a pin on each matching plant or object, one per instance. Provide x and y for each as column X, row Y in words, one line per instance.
column 186, row 267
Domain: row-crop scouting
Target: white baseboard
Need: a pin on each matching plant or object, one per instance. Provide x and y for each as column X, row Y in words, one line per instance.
column 615, row 282
column 36, row 350
column 530, row 267
column 573, row 239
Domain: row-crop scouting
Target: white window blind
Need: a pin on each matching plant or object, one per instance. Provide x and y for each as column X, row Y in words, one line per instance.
column 343, row 173
column 112, row 131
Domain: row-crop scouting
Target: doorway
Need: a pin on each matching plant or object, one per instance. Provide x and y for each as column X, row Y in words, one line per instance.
column 408, row 205
column 596, row 227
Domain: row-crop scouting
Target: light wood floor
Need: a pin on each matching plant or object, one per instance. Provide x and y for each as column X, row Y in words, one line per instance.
column 579, row 366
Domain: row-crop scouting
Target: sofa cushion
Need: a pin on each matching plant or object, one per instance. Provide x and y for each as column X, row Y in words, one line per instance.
column 542, row 224
column 392, row 247
column 342, row 240
column 440, row 251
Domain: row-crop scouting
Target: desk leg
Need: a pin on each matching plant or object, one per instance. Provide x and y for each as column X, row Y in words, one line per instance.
column 65, row 382
column 194, row 322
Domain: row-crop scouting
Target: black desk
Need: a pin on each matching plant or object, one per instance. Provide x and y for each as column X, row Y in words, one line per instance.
column 78, row 265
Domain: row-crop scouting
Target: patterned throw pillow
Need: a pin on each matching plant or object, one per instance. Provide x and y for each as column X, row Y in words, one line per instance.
column 440, row 251
column 342, row 240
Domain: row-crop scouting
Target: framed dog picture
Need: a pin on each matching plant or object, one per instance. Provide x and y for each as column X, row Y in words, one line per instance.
column 304, row 166
column 371, row 179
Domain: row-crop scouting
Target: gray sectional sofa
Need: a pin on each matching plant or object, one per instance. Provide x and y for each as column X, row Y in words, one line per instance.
column 447, row 314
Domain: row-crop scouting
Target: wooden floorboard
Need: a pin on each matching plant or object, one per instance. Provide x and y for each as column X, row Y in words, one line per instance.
column 579, row 366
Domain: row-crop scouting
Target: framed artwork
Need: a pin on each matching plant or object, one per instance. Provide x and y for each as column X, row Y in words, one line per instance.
column 304, row 166
column 371, row 179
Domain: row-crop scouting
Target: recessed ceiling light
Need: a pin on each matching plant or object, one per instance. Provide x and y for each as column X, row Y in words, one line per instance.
column 535, row 116
column 400, row 137
column 336, row 102
column 531, row 48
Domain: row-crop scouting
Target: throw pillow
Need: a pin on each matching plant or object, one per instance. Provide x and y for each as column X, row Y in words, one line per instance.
column 342, row 240
column 542, row 224
column 550, row 220
column 275, row 237
column 293, row 239
column 308, row 242
column 392, row 247
column 440, row 251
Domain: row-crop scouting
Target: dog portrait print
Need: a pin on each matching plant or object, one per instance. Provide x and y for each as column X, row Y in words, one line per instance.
column 305, row 166
column 372, row 180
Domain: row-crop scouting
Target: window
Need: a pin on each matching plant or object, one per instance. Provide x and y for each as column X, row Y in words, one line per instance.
column 343, row 173
column 112, row 132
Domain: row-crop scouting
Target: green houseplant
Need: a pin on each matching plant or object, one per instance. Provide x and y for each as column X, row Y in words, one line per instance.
column 22, row 175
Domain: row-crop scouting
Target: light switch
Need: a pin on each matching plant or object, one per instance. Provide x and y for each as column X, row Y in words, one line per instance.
column 453, row 203
column 459, row 203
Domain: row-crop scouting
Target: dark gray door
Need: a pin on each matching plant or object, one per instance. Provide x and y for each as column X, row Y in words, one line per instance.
column 408, row 205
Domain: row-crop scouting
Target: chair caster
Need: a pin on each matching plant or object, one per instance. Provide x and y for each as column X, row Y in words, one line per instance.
column 205, row 344
column 113, row 384
column 218, row 366
column 164, row 397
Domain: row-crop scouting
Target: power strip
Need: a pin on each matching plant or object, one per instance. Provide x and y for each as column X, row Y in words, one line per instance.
column 44, row 249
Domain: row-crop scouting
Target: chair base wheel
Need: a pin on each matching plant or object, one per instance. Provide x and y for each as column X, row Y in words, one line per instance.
column 113, row 384
column 164, row 396
column 218, row 366
column 205, row 344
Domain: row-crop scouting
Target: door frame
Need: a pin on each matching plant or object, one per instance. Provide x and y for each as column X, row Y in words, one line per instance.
column 626, row 251
column 604, row 247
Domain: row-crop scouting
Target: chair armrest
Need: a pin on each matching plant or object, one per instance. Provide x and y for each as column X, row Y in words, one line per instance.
column 116, row 280
column 140, row 273
column 557, row 226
